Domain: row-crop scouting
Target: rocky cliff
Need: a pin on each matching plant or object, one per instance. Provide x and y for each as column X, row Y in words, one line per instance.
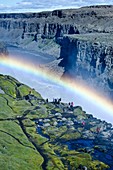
column 34, row 25
column 89, row 57
column 56, row 23
column 86, row 56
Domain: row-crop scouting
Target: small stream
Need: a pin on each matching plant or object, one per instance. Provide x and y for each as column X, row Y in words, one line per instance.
column 79, row 143
column 39, row 130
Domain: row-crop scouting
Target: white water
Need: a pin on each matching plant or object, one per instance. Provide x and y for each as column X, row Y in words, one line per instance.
column 46, row 88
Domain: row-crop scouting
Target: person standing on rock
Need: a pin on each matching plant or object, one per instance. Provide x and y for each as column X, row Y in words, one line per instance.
column 71, row 106
column 47, row 100
column 83, row 123
column 98, row 129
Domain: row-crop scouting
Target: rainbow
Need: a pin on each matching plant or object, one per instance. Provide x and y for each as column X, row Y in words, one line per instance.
column 89, row 94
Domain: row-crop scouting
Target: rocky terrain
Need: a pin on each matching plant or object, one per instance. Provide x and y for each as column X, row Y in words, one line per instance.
column 38, row 30
column 38, row 134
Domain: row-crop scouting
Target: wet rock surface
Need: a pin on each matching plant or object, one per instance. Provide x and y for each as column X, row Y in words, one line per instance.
column 38, row 134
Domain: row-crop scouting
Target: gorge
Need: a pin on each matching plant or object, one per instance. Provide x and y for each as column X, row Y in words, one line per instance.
column 36, row 133
column 86, row 49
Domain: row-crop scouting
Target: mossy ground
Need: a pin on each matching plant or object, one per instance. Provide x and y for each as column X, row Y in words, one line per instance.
column 22, row 147
column 16, row 151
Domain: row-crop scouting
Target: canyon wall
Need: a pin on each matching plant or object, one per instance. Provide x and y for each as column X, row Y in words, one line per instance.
column 89, row 57
column 19, row 26
column 87, row 54
column 34, row 26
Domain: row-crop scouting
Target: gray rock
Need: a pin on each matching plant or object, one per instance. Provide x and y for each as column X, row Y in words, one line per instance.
column 70, row 123
column 40, row 120
column 55, row 123
column 64, row 119
column 46, row 124
column 106, row 134
column 58, row 114
column 1, row 91
column 46, row 120
column 85, row 168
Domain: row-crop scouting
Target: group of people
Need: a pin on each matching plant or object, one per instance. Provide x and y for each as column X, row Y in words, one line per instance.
column 71, row 106
column 57, row 101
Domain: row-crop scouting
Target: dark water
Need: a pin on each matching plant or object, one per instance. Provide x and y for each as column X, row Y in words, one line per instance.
column 79, row 143
column 104, row 157
column 39, row 130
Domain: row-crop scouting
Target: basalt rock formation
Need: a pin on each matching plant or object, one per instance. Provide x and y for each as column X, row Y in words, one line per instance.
column 44, row 25
column 42, row 135
column 56, row 23
column 89, row 57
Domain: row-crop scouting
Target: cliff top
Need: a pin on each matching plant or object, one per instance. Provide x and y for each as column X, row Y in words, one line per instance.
column 102, row 38
column 86, row 19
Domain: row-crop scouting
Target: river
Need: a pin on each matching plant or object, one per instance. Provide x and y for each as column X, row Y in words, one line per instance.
column 45, row 87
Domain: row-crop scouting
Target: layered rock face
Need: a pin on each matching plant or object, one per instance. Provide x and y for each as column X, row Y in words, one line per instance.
column 85, row 56
column 56, row 23
column 89, row 57
column 34, row 26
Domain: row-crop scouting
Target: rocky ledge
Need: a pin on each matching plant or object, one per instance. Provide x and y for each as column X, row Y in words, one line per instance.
column 38, row 134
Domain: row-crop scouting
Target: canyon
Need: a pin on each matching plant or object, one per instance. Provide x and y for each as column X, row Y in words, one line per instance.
column 42, row 134
column 80, row 39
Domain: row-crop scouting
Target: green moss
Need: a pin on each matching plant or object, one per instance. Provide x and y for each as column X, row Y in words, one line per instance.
column 55, row 163
column 14, row 154
column 8, row 87
column 79, row 113
column 13, row 80
column 11, row 108
column 19, row 107
column 29, row 123
column 38, row 113
column 49, row 106
column 17, row 151
column 5, row 110
column 84, row 159
column 76, row 160
column 71, row 135
column 54, row 160
column 97, row 165
column 24, row 90
column 14, row 129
